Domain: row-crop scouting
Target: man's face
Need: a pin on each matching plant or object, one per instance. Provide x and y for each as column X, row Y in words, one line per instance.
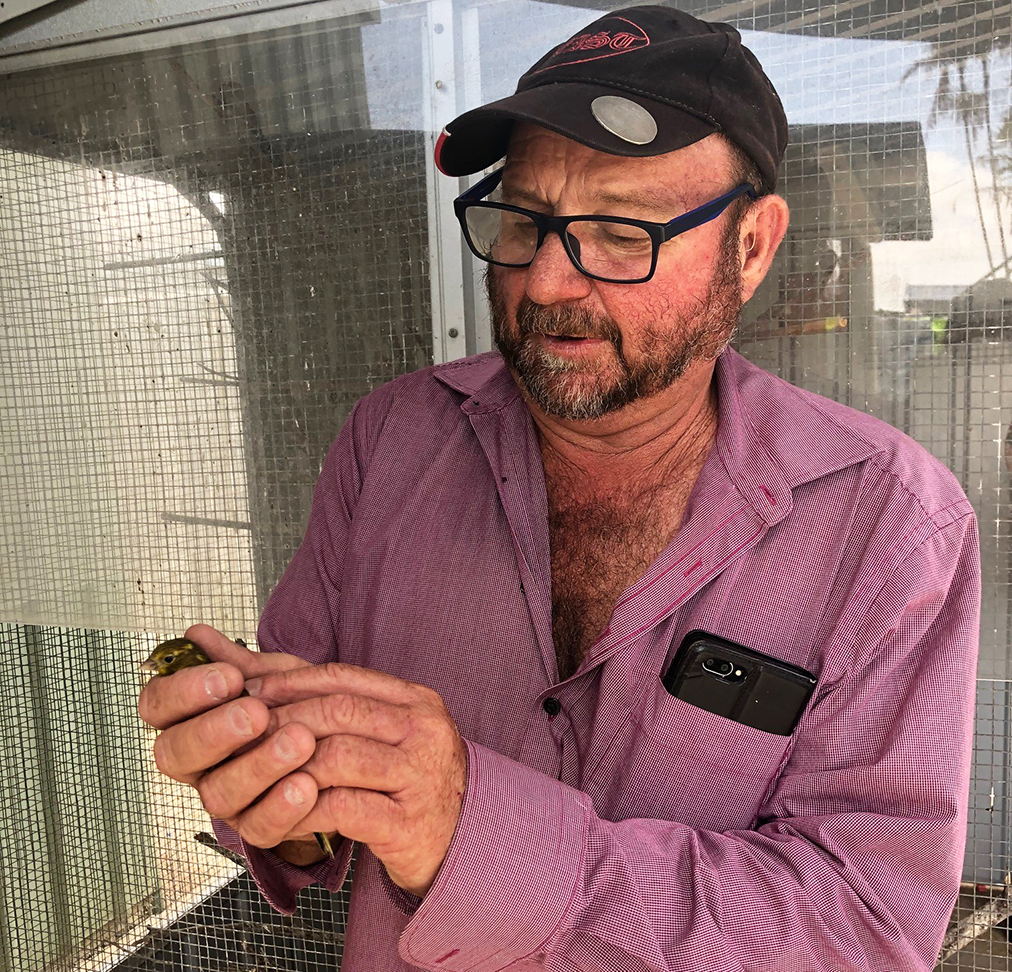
column 583, row 348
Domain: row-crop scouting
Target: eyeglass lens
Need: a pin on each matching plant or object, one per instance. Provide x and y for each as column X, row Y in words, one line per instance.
column 614, row 250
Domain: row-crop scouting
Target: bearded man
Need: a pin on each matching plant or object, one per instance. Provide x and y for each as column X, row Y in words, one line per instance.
column 611, row 650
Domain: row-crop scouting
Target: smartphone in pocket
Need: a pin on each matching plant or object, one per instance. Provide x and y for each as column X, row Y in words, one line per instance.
column 739, row 683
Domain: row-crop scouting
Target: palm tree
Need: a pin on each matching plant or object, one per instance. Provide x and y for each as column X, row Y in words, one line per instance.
column 956, row 95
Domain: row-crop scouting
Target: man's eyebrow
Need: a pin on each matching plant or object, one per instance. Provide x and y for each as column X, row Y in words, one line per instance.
column 643, row 198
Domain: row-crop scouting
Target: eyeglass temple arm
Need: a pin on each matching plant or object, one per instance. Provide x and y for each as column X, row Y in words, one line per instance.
column 482, row 187
column 707, row 212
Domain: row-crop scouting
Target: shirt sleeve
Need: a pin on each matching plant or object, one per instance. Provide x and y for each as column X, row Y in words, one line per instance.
column 280, row 882
column 301, row 614
column 853, row 865
column 301, row 618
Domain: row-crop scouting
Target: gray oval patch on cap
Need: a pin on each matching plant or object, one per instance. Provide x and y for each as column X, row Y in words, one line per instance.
column 629, row 121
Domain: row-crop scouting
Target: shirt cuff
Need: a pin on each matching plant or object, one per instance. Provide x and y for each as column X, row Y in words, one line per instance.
column 521, row 838
column 280, row 881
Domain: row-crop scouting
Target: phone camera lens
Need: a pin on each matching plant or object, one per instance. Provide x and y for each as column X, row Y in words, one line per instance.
column 718, row 666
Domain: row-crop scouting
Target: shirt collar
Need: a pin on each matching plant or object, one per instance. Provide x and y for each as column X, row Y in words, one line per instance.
column 484, row 378
column 771, row 436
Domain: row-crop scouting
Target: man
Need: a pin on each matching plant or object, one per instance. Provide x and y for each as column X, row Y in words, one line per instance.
column 507, row 554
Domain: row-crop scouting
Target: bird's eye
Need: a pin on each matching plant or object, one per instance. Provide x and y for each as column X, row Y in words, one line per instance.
column 169, row 659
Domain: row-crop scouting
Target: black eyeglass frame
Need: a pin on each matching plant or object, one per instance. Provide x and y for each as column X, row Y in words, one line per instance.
column 658, row 232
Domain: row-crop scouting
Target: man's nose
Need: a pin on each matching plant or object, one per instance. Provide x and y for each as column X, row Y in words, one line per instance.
column 552, row 278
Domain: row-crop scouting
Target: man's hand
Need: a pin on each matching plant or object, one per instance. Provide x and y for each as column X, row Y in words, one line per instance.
column 389, row 763
column 218, row 746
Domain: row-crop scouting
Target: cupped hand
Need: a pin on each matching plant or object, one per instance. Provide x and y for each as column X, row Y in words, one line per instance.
column 245, row 770
column 389, row 763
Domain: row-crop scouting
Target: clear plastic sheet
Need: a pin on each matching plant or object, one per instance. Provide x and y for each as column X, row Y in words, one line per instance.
column 215, row 238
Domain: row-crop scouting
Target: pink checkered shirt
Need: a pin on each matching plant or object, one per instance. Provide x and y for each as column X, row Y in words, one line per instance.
column 631, row 830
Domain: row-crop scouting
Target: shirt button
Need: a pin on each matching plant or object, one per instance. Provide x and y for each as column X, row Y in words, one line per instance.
column 552, row 706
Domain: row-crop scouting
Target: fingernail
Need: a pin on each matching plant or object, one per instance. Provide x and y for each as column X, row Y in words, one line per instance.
column 294, row 795
column 253, row 686
column 284, row 747
column 240, row 721
column 215, row 684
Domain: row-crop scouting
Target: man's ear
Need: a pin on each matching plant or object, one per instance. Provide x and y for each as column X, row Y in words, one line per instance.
column 759, row 234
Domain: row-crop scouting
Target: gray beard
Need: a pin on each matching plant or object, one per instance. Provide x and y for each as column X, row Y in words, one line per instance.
column 578, row 391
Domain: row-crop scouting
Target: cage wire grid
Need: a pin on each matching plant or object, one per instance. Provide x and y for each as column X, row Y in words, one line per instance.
column 209, row 251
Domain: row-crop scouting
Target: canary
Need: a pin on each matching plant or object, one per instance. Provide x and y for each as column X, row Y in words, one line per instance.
column 173, row 656
column 179, row 653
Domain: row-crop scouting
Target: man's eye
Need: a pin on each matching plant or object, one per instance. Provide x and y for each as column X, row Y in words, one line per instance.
column 516, row 225
column 621, row 236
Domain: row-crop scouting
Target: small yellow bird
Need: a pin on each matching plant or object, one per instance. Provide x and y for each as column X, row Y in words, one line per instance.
column 179, row 653
column 173, row 656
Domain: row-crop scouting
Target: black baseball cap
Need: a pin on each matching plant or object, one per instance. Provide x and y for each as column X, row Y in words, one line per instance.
column 637, row 82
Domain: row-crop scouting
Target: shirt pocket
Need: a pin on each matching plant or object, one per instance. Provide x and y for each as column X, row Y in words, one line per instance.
column 675, row 761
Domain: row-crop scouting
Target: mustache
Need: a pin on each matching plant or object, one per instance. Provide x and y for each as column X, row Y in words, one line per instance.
column 564, row 321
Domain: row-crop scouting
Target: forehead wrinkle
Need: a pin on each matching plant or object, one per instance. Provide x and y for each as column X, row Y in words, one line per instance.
column 513, row 192
column 557, row 174
column 662, row 202
column 664, row 186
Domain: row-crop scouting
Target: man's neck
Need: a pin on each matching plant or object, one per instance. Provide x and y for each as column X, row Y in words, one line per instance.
column 666, row 435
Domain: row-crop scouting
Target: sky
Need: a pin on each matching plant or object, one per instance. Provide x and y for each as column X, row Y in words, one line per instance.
column 865, row 81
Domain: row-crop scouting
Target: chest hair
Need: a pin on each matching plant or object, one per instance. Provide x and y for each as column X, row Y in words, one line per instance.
column 598, row 549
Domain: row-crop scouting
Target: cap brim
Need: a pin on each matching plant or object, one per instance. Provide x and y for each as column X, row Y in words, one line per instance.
column 479, row 138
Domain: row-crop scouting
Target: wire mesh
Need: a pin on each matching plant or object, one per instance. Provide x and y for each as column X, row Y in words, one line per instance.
column 978, row 935
column 208, row 255
column 211, row 250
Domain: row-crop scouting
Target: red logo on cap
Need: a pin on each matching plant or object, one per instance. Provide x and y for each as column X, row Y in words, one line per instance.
column 603, row 43
column 620, row 41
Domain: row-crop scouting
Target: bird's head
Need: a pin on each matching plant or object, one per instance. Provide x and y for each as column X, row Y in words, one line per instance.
column 173, row 655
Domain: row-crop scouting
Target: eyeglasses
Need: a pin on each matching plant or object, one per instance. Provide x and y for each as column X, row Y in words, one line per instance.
column 613, row 249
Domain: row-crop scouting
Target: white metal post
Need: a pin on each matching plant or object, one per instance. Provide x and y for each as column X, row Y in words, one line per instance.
column 469, row 79
column 446, row 267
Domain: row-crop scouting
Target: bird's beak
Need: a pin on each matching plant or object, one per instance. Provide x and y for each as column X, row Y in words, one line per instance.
column 149, row 666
